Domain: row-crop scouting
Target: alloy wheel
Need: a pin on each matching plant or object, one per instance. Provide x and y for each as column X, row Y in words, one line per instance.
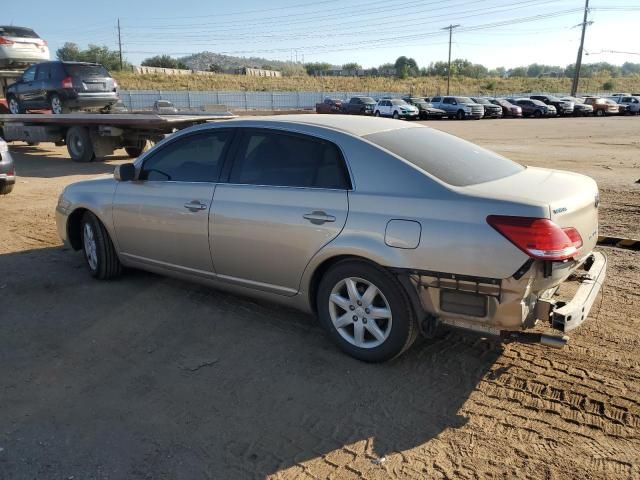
column 90, row 247
column 14, row 107
column 56, row 105
column 360, row 312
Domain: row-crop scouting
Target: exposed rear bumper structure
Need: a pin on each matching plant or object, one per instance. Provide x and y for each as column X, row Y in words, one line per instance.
column 568, row 316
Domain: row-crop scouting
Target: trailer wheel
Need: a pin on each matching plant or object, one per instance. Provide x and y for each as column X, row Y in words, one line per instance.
column 79, row 145
column 136, row 151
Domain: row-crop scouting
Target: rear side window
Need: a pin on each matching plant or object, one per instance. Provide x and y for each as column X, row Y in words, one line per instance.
column 282, row 159
column 19, row 32
column 435, row 99
column 448, row 158
column 77, row 70
column 195, row 158
column 43, row 72
column 29, row 74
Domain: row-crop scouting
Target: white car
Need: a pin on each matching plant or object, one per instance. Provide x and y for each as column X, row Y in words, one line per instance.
column 632, row 103
column 396, row 108
column 20, row 47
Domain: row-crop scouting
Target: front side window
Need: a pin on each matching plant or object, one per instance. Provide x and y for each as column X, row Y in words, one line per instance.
column 29, row 74
column 195, row 158
column 281, row 159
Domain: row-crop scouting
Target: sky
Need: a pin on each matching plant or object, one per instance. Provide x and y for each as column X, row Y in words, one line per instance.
column 494, row 33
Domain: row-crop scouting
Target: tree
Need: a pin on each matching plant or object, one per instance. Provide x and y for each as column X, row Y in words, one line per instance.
column 214, row 67
column 518, row 72
column 352, row 66
column 110, row 59
column 316, row 67
column 406, row 67
column 164, row 61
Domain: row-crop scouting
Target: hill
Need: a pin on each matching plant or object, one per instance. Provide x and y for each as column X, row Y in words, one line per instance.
column 203, row 61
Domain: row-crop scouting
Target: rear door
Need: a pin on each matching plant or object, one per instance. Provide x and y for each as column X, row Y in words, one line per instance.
column 285, row 199
column 162, row 218
column 43, row 74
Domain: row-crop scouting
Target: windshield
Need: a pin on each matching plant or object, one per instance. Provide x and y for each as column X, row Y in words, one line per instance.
column 80, row 70
column 464, row 100
column 18, row 32
column 553, row 99
column 397, row 101
column 483, row 101
column 367, row 100
column 448, row 158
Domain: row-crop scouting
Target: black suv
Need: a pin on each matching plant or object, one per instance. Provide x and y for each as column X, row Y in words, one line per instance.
column 63, row 87
column 562, row 107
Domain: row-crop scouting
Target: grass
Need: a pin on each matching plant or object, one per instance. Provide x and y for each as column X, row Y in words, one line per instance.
column 420, row 85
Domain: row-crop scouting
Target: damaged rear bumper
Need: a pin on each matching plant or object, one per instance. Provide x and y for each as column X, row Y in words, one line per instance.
column 567, row 316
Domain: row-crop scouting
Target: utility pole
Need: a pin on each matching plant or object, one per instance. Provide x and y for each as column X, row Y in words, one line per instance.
column 120, row 43
column 450, row 28
column 576, row 75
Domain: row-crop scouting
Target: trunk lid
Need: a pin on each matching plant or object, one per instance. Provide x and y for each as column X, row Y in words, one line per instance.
column 572, row 199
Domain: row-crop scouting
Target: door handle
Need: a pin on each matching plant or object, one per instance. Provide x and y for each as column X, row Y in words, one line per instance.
column 318, row 217
column 195, row 205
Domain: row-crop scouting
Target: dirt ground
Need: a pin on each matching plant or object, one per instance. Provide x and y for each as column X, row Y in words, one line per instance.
column 154, row 378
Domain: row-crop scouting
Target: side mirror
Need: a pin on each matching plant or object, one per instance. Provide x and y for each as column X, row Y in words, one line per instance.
column 454, row 103
column 125, row 172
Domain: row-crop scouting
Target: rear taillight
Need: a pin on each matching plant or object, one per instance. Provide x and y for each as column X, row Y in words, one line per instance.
column 67, row 82
column 6, row 41
column 538, row 237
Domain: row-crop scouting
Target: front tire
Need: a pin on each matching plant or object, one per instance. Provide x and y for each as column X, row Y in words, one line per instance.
column 537, row 114
column 99, row 252
column 460, row 115
column 396, row 116
column 366, row 311
column 137, row 150
column 14, row 106
column 6, row 189
column 600, row 113
column 377, row 114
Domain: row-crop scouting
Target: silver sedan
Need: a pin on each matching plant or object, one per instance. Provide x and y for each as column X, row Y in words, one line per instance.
column 382, row 229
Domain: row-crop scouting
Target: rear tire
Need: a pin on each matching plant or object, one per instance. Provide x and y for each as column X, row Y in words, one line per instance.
column 6, row 189
column 79, row 145
column 135, row 152
column 57, row 105
column 600, row 113
column 98, row 249
column 391, row 327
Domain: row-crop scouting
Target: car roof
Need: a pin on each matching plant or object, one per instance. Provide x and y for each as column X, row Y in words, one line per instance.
column 352, row 124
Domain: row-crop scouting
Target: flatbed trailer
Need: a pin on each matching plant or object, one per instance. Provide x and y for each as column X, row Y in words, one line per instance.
column 93, row 136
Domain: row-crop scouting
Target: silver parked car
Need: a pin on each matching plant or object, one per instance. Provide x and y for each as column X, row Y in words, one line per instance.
column 20, row 46
column 381, row 228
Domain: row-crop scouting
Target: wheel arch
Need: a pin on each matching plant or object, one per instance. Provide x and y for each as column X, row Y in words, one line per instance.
column 324, row 266
column 74, row 227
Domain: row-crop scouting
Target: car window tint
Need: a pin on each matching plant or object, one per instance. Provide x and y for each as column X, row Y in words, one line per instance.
column 29, row 74
column 196, row 158
column 451, row 159
column 447, row 100
column 435, row 99
column 280, row 159
column 79, row 70
column 19, row 32
column 43, row 72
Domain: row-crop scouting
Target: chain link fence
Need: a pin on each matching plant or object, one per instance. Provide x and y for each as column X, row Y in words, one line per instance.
column 199, row 100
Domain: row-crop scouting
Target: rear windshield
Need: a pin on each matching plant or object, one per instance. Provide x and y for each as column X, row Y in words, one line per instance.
column 18, row 32
column 448, row 158
column 86, row 70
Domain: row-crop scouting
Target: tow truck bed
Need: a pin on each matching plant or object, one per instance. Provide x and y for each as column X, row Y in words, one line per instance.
column 91, row 136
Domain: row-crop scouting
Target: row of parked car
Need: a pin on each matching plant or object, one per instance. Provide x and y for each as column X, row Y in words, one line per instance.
column 459, row 107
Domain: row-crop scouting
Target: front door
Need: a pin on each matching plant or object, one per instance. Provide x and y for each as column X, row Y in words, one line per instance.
column 25, row 87
column 286, row 198
column 163, row 217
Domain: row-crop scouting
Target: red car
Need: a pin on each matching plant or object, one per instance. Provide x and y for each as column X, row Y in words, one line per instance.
column 330, row 105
